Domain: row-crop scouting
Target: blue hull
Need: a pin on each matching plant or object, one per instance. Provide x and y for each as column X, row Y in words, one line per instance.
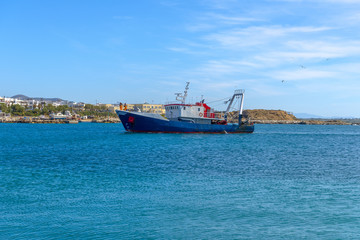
column 134, row 122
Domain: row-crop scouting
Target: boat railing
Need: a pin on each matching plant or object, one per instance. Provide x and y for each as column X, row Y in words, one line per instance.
column 171, row 102
column 239, row 91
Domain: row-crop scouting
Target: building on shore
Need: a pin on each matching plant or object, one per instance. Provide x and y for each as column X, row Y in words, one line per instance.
column 113, row 108
column 151, row 108
column 77, row 105
column 40, row 103
column 104, row 105
column 142, row 107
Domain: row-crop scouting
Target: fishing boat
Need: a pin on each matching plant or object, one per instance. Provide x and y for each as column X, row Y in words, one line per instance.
column 181, row 117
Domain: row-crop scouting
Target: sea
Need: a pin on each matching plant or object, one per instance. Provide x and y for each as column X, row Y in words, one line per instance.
column 95, row 181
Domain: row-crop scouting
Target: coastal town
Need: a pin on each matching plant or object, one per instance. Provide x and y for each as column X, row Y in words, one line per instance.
column 21, row 108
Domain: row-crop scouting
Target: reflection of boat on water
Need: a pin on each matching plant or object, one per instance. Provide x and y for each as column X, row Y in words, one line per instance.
column 186, row 118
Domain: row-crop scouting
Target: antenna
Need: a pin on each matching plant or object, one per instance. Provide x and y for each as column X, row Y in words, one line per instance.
column 181, row 97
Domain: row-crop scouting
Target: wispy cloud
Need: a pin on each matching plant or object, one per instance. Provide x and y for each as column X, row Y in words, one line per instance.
column 200, row 27
column 255, row 35
column 224, row 67
column 219, row 4
column 303, row 74
column 213, row 21
column 312, row 51
column 185, row 50
column 230, row 19
column 342, row 1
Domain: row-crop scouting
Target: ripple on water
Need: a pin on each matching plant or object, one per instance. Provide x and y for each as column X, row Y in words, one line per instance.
column 95, row 181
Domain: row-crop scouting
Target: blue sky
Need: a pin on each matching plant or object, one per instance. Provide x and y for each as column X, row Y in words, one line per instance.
column 296, row 55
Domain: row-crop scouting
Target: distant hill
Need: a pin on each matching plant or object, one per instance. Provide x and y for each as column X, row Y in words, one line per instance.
column 23, row 97
column 306, row 115
column 262, row 114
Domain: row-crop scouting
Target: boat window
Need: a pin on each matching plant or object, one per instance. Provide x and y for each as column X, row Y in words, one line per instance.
column 199, row 109
column 184, row 108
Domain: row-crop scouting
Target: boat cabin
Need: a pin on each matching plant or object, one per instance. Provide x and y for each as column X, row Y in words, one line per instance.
column 198, row 113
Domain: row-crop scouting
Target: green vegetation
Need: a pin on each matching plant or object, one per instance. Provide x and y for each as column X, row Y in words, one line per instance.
column 90, row 110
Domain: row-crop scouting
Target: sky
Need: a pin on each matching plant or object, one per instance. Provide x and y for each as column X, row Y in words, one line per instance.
column 300, row 56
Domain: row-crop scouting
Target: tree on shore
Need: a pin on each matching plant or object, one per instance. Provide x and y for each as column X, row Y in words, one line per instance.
column 46, row 109
column 4, row 108
column 17, row 110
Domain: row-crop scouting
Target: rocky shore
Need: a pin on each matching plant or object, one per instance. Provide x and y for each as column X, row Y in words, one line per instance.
column 262, row 116
column 303, row 122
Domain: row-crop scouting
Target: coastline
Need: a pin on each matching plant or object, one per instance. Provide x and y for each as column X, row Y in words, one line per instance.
column 30, row 120
column 20, row 119
column 303, row 122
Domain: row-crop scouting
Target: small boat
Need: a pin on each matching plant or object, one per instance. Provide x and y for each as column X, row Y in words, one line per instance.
column 60, row 116
column 187, row 118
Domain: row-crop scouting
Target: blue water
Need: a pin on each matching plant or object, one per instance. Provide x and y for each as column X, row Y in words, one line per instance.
column 94, row 181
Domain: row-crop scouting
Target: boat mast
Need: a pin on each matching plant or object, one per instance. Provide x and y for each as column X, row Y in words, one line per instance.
column 237, row 94
column 181, row 97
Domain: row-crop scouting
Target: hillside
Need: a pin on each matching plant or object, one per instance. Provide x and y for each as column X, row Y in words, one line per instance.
column 23, row 97
column 261, row 114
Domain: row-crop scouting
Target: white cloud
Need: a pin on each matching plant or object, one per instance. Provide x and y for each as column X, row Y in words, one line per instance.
column 231, row 20
column 199, row 27
column 220, row 4
column 267, row 90
column 184, row 50
column 266, row 47
column 255, row 35
column 223, row 67
column 303, row 74
column 329, row 48
column 321, row 1
column 341, row 1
